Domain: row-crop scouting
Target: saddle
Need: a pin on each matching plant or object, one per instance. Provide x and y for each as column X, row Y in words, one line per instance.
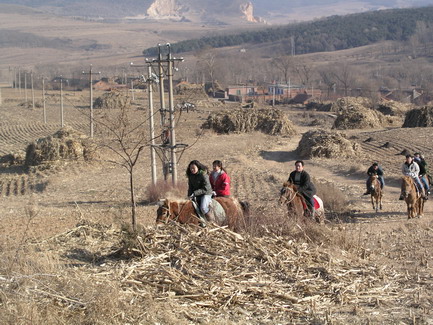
column 215, row 208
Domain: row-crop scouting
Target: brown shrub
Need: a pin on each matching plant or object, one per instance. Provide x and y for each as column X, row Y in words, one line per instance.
column 112, row 100
column 165, row 189
column 333, row 198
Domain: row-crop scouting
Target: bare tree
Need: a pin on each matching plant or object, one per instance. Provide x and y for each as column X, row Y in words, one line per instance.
column 328, row 79
column 208, row 63
column 344, row 74
column 304, row 72
column 125, row 136
column 283, row 64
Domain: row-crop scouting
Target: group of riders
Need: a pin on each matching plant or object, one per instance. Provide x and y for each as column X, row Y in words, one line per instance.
column 204, row 185
column 415, row 167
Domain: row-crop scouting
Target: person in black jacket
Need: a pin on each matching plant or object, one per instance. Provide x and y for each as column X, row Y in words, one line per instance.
column 423, row 171
column 199, row 186
column 375, row 169
column 301, row 179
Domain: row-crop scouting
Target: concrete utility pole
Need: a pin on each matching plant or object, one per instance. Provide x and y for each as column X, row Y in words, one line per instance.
column 43, row 100
column 172, row 122
column 152, row 125
column 25, row 86
column 19, row 80
column 61, row 102
column 91, row 73
column 169, row 146
column 33, row 91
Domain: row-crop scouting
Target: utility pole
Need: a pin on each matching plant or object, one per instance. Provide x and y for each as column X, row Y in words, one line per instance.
column 151, row 122
column 132, row 89
column 43, row 100
column 90, row 73
column 169, row 146
column 19, row 80
column 25, row 86
column 172, row 122
column 61, row 102
column 151, row 79
column 33, row 91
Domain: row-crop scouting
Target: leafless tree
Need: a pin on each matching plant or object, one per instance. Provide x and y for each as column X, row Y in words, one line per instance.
column 125, row 136
column 283, row 64
column 304, row 72
column 208, row 64
column 328, row 79
column 344, row 74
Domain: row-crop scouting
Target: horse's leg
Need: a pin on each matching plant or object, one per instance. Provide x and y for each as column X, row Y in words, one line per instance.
column 380, row 200
column 372, row 200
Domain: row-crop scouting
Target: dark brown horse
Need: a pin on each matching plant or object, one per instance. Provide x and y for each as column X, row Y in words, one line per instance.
column 375, row 192
column 227, row 211
column 414, row 202
column 296, row 204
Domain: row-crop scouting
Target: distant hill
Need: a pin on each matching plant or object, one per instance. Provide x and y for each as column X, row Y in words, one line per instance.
column 330, row 34
column 215, row 12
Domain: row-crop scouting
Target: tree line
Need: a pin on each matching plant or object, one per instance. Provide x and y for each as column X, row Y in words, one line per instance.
column 329, row 34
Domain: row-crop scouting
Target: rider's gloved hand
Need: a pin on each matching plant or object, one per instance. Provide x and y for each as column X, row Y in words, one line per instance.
column 192, row 196
column 213, row 194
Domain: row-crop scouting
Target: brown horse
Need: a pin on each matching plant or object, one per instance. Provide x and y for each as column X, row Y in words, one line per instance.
column 414, row 202
column 227, row 211
column 375, row 192
column 296, row 204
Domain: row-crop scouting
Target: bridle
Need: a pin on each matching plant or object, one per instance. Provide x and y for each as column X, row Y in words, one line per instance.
column 176, row 217
column 289, row 199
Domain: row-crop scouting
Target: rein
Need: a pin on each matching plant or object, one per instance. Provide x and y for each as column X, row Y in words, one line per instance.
column 294, row 196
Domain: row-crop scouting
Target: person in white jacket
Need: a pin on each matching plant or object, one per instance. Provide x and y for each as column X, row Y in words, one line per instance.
column 411, row 168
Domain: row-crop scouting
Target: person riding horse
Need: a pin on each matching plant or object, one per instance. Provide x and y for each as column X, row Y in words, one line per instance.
column 411, row 168
column 199, row 187
column 374, row 169
column 301, row 179
column 423, row 171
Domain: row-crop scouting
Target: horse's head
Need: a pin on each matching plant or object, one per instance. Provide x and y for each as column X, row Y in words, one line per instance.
column 163, row 214
column 374, row 182
column 407, row 186
column 287, row 193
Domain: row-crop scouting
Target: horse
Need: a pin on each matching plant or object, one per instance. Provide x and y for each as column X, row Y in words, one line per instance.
column 297, row 206
column 414, row 202
column 375, row 192
column 226, row 211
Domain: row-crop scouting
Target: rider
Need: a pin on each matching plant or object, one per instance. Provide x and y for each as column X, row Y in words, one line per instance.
column 375, row 169
column 411, row 168
column 199, row 186
column 301, row 179
column 423, row 170
column 219, row 180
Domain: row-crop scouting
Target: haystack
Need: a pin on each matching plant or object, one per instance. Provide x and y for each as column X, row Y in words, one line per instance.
column 419, row 117
column 65, row 144
column 269, row 121
column 326, row 144
column 321, row 106
column 350, row 103
column 393, row 108
column 112, row 100
column 193, row 91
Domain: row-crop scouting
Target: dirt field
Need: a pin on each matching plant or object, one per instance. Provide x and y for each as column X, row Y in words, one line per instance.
column 37, row 207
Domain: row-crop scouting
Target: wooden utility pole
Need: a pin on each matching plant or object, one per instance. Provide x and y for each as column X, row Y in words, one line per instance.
column 91, row 73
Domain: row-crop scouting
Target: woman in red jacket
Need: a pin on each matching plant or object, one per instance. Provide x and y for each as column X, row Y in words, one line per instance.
column 219, row 179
